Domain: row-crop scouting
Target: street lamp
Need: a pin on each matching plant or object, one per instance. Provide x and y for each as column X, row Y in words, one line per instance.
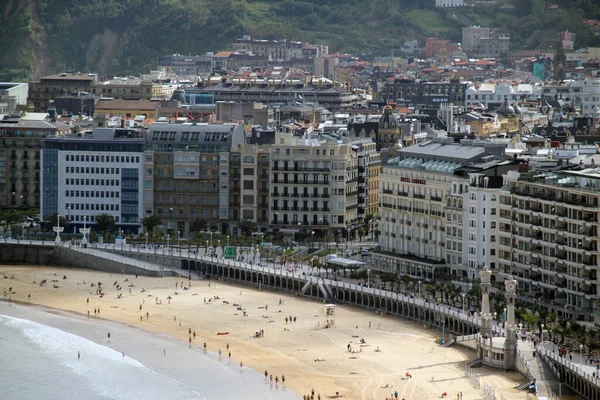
column 168, row 242
column 420, row 289
column 463, row 300
column 505, row 316
column 178, row 237
column 146, row 240
column 581, row 354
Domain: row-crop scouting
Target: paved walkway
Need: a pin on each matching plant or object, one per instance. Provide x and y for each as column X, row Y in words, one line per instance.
column 547, row 383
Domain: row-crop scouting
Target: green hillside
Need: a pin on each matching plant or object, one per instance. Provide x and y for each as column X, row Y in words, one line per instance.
column 128, row 36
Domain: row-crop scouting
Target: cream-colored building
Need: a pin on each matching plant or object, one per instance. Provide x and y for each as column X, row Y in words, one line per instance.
column 416, row 187
column 314, row 186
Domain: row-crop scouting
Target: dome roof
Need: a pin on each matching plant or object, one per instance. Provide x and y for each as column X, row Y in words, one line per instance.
column 506, row 109
column 388, row 120
column 518, row 110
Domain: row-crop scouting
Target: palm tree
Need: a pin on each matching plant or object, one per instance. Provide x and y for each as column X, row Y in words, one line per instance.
column 198, row 224
column 105, row 222
column 51, row 221
column 150, row 222
column 247, row 226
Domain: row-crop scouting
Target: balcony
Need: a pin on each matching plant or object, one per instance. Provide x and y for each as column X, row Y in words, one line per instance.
column 418, row 196
column 388, row 191
column 275, row 208
column 325, row 195
column 435, row 198
column 403, row 194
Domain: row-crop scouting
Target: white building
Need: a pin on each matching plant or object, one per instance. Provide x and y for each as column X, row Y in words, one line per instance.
column 449, row 3
column 12, row 95
column 492, row 95
column 85, row 177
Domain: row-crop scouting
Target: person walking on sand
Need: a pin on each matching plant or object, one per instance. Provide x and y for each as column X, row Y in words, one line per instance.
column 194, row 335
column 241, row 365
column 190, row 341
column 282, row 379
column 147, row 315
column 109, row 336
column 78, row 355
column 266, row 374
column 205, row 347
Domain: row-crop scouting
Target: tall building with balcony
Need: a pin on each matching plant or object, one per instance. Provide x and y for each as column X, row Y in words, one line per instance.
column 485, row 42
column 42, row 92
column 249, row 185
column 472, row 219
column 314, row 186
column 190, row 177
column 20, row 159
column 415, row 187
column 548, row 239
column 85, row 177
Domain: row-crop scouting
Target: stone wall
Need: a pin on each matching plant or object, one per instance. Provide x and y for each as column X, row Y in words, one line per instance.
column 65, row 257
column 11, row 253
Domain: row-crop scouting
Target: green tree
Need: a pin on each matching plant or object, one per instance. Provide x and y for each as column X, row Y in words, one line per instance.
column 105, row 222
column 150, row 222
column 247, row 227
column 198, row 224
column 51, row 220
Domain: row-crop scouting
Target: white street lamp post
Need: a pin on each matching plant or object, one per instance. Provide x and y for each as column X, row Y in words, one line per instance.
column 84, row 231
column 58, row 229
column 146, row 240
column 581, row 354
column 463, row 301
column 542, row 334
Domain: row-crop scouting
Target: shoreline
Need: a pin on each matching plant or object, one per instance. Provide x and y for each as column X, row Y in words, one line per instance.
column 180, row 365
column 286, row 348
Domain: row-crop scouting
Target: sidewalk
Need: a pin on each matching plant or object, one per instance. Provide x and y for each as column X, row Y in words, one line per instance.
column 546, row 383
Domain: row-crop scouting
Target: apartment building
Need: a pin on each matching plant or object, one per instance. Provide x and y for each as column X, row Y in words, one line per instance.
column 485, row 42
column 449, row 3
column 13, row 96
column 128, row 87
column 314, row 186
column 85, row 177
column 49, row 87
column 190, row 177
column 548, row 239
column 415, row 188
column 20, row 159
column 249, row 185
column 284, row 50
column 472, row 219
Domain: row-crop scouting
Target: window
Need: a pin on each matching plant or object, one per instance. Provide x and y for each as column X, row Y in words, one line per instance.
column 248, row 185
column 248, row 171
column 248, row 199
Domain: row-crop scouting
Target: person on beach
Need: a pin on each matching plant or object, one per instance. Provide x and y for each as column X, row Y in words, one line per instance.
column 109, row 336
column 276, row 381
column 266, row 374
column 78, row 355
column 220, row 351
column 88, row 300
column 241, row 365
column 147, row 315
column 190, row 341
column 205, row 347
column 194, row 335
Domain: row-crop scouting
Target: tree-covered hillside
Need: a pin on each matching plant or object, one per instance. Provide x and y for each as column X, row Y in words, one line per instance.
column 128, row 36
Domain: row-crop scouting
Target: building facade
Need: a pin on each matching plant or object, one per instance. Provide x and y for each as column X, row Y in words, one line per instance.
column 314, row 186
column 42, row 92
column 415, row 187
column 485, row 42
column 249, row 185
column 548, row 239
column 449, row 3
column 85, row 177
column 190, row 177
column 20, row 159
column 12, row 96
column 431, row 95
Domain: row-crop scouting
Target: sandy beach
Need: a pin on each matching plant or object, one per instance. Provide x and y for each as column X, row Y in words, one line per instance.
column 309, row 355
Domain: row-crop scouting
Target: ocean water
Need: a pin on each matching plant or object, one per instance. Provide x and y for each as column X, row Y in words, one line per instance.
column 40, row 361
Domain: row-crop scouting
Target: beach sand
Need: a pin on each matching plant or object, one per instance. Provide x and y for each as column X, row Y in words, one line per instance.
column 290, row 349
